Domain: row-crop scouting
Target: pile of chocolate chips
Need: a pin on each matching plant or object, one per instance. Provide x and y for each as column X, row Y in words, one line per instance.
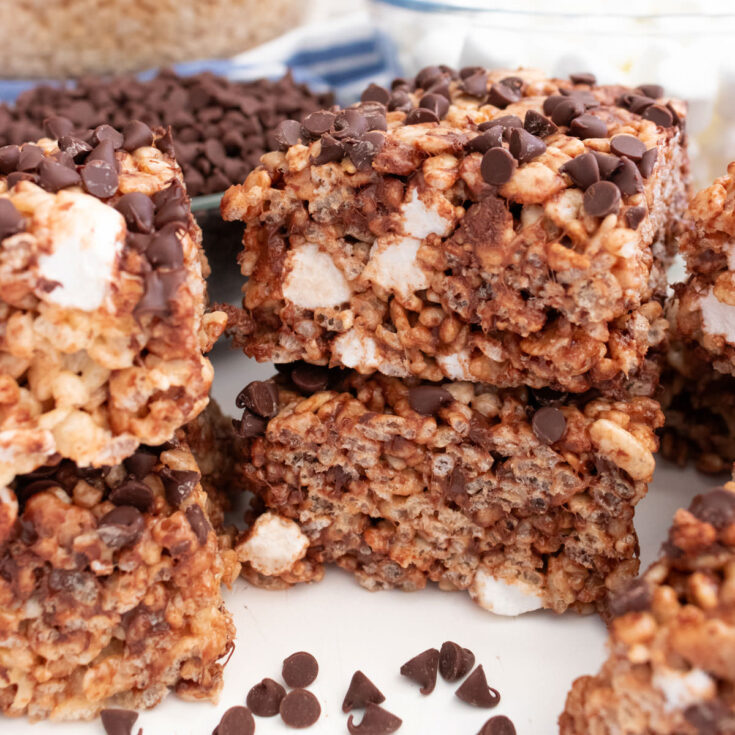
column 220, row 127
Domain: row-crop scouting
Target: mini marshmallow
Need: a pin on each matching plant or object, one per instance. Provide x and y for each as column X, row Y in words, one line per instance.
column 503, row 598
column 312, row 279
column 682, row 689
column 274, row 545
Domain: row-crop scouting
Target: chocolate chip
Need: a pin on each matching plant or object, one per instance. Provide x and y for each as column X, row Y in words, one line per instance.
column 57, row 127
column 628, row 146
column 178, row 484
column 566, row 110
column 498, row 725
column 174, row 210
column 588, row 126
column 54, row 176
column 318, row 123
column 118, row 721
column 428, row 76
column 648, row 161
column 421, row 115
column 100, row 178
column 505, row 122
column 260, row 397
column 108, row 133
column 159, row 290
column 75, row 147
column 165, row 249
column 475, row 84
column 454, row 661
column 300, row 670
column 287, row 133
column 492, row 138
column 30, row 157
column 551, row 102
column 375, row 116
column 136, row 134
column 651, row 90
column 423, row 670
column 549, row 424
column 400, row 100
column 660, row 115
column 524, row 146
column 349, row 124
column 264, row 699
column 583, row 77
column 140, row 464
column 249, row 426
column 135, row 493
column 710, row 718
column 104, row 151
column 300, row 709
column 436, row 103
column 476, row 691
column 503, row 94
column 198, row 522
column 602, row 199
column 331, row 150
column 582, row 170
column 375, row 721
column 9, row 155
column 165, row 142
column 310, row 378
column 497, row 166
column 121, row 527
column 361, row 692
column 627, row 177
column 606, row 163
column 428, row 399
column 10, row 219
column 236, row 721
column 634, row 216
column 717, row 507
column 17, row 176
column 375, row 93
column 635, row 596
column 138, row 210
column 537, row 124
column 363, row 151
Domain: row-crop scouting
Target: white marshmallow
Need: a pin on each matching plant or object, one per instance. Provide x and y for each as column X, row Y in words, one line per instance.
column 718, row 318
column 274, row 545
column 394, row 267
column 503, row 598
column 312, row 279
column 356, row 350
column 420, row 221
column 681, row 689
column 455, row 366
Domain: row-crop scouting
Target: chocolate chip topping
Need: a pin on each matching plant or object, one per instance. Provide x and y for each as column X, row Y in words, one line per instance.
column 300, row 709
column 634, row 596
column 30, row 157
column 140, row 464
column 138, row 210
column 497, row 166
column 648, row 161
column 537, row 124
column 287, row 133
column 498, row 725
column 651, row 90
column 350, row 123
column 476, row 691
column 375, row 93
column 428, row 399
column 100, row 178
column 18, row 176
column 310, row 378
column 361, row 692
column 54, row 176
column 717, row 507
column 135, row 493
column 264, row 698
column 634, row 216
column 525, row 147
column 549, row 424
column 107, row 133
column 505, row 122
column 423, row 670
column 503, row 94
column 75, row 147
column 588, row 126
column 475, row 84
column 121, row 527
column 104, row 151
column 627, row 177
column 57, row 127
column 249, row 426
column 260, row 397
column 437, row 103
column 118, row 721
column 627, row 145
column 428, row 76
column 660, row 115
column 582, row 170
column 199, row 523
column 178, row 484
column 331, row 150
column 159, row 290
column 375, row 721
column 165, row 249
column 601, row 199
column 319, row 122
column 300, row 670
column 9, row 155
column 492, row 138
column 136, row 134
column 565, row 110
column 606, row 163
column 236, row 721
column 421, row 115
column 454, row 661
column 583, row 77
column 11, row 220
column 363, row 151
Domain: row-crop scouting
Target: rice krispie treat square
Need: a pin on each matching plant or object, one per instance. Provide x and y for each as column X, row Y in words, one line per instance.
column 498, row 227
column 523, row 498
column 102, row 298
column 671, row 669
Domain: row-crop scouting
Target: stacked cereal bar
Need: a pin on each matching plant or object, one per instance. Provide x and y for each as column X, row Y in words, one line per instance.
column 479, row 258
column 672, row 641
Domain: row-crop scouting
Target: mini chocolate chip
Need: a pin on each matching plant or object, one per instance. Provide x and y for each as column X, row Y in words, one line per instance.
column 299, row 709
column 436, row 103
column 54, row 176
column 140, row 464
column 178, row 484
column 75, row 147
column 236, row 721
column 423, row 670
column 651, row 90
column 421, row 115
column 165, row 249
column 601, row 199
column 717, row 507
column 492, row 138
column 172, row 211
column 635, row 596
column 400, row 100
column 159, row 289
column 427, row 76
column 648, row 161
column 515, row 83
column 104, row 151
column 118, row 721
column 363, row 151
column 331, row 150
column 475, row 84
column 476, row 691
column 549, row 424
column 634, row 216
column 497, row 166
column 606, row 163
column 551, row 102
column 135, row 493
column 524, row 146
column 107, row 132
column 300, row 670
column 310, row 378
column 582, row 95
column 375, row 117
column 138, row 210
column 11, row 220
column 250, row 425
column 660, row 115
column 588, row 126
column 100, row 178
column 361, row 692
column 198, row 522
column 566, row 110
column 287, row 133
column 428, row 399
column 375, row 93
column 502, row 94
column 30, row 158
column 498, row 725
column 636, row 103
column 375, row 721
column 455, row 662
column 165, row 142
column 9, row 155
column 121, row 527
column 17, row 176
column 537, row 124
column 57, row 127
column 136, row 134
column 260, row 397
column 319, row 122
column 583, row 77
column 582, row 170
column 628, row 146
column 467, row 71
column 349, row 123
column 264, row 698
column 627, row 178
column 505, row 121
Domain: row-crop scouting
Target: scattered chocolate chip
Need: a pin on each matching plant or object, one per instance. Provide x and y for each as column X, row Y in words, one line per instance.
column 438, row 104
column 627, row 177
column 651, row 90
column 505, row 122
column 375, row 93
column 159, row 289
column 635, row 596
column 420, row 116
column 75, row 147
column 606, row 163
column 100, row 178
column 363, row 151
column 492, row 138
column 178, row 484
column 310, row 378
column 264, row 698
column 30, row 157
column 648, row 161
column 249, row 426
column 54, row 176
column 514, row 83
column 498, row 725
column 300, row 709
column 140, row 464
column 551, row 102
column 11, row 220
column 331, row 150
column 475, row 84
column 361, row 692
column 104, row 151
column 537, row 124
column 497, row 166
column 716, row 507
column 660, row 115
column 601, row 199
column 108, row 133
column 135, row 493
column 582, row 170
column 260, row 397
column 588, row 126
column 138, row 210
column 9, row 155
column 428, row 399
column 502, row 94
column 524, row 146
column 349, row 123
column 287, row 133
column 57, row 127
column 165, row 249
column 455, row 662
column 476, row 691
column 136, row 134
column 628, row 146
column 198, row 522
column 566, row 110
column 319, row 122
column 121, row 527
column 300, row 670
column 118, row 721
column 634, row 216
column 236, row 721
column 400, row 100
column 423, row 670
column 375, row 721
column 428, row 76
column 549, row 424
column 165, row 142
column 583, row 77
column 17, row 176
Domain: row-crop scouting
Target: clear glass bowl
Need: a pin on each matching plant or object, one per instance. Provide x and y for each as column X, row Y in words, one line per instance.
column 685, row 46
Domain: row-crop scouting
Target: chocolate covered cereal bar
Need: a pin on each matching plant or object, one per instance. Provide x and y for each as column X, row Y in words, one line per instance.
column 522, row 497
column 497, row 227
column 672, row 641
